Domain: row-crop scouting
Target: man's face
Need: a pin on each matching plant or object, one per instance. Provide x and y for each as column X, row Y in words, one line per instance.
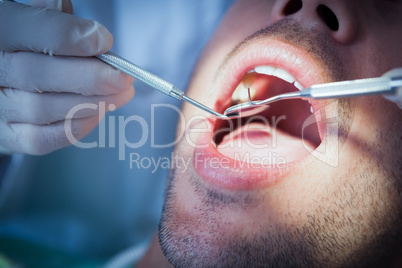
column 291, row 187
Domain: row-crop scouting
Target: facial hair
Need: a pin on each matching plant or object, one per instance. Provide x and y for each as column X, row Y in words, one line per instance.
column 204, row 241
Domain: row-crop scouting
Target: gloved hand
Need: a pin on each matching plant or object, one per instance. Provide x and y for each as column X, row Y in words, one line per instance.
column 37, row 91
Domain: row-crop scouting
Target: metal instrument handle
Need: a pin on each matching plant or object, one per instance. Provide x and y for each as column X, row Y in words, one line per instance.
column 379, row 85
column 133, row 70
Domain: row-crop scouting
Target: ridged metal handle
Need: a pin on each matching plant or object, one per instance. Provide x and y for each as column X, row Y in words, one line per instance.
column 139, row 73
column 379, row 85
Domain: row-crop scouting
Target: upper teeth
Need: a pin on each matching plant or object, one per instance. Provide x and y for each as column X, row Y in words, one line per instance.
column 280, row 73
column 240, row 94
column 298, row 85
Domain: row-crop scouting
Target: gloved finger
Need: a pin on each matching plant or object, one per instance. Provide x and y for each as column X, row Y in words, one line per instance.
column 61, row 5
column 40, row 73
column 40, row 140
column 19, row 106
column 26, row 28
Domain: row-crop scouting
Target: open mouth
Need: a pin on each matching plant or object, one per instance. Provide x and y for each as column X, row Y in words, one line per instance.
column 258, row 151
column 279, row 129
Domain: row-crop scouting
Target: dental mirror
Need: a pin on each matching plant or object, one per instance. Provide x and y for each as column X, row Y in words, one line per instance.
column 244, row 110
column 250, row 108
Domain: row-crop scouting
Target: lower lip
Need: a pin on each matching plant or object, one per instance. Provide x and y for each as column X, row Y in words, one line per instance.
column 233, row 174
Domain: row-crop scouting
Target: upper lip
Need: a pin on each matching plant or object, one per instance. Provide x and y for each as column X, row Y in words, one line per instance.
column 298, row 62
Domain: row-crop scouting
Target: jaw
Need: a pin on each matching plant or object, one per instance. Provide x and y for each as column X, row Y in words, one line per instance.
column 314, row 208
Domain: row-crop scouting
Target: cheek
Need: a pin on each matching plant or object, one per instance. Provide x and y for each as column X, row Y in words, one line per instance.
column 377, row 48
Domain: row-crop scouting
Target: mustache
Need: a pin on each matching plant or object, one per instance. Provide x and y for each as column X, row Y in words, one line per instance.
column 316, row 42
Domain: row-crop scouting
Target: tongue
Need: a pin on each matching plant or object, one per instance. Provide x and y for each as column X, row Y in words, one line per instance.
column 257, row 142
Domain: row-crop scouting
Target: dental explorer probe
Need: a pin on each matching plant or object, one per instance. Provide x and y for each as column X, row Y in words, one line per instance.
column 154, row 81
column 390, row 85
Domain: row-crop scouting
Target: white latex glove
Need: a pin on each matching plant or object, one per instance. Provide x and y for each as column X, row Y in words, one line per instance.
column 38, row 90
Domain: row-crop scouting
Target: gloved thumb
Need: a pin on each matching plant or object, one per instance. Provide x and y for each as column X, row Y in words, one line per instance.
column 61, row 5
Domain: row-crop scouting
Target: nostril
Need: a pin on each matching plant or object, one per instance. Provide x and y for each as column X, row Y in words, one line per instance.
column 292, row 7
column 328, row 17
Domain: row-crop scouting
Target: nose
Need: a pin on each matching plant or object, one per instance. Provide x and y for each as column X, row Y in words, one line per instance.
column 337, row 17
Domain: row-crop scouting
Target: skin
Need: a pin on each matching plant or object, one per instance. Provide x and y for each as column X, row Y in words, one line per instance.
column 344, row 216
